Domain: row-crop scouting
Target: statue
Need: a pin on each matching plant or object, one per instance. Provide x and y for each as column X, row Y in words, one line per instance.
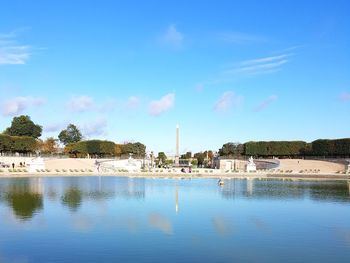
column 251, row 167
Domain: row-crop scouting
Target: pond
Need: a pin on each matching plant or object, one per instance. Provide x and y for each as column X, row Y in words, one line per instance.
column 122, row 219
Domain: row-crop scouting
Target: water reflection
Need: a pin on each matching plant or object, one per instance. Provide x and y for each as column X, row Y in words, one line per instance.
column 106, row 219
column 24, row 196
column 176, row 200
column 279, row 189
column 72, row 198
column 222, row 225
column 161, row 223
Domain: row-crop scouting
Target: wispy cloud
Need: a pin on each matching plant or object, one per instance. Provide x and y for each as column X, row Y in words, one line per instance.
column 259, row 65
column 172, row 37
column 19, row 104
column 81, row 103
column 227, row 100
column 345, row 96
column 264, row 104
column 95, row 128
column 241, row 38
column 157, row 107
column 55, row 127
column 11, row 52
column 251, row 67
column 133, row 102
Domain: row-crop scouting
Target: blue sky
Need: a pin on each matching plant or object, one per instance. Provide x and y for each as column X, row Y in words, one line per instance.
column 223, row 70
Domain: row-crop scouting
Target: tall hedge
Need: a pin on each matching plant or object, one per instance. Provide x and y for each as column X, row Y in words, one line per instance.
column 20, row 144
column 326, row 148
column 331, row 148
column 92, row 147
column 275, row 148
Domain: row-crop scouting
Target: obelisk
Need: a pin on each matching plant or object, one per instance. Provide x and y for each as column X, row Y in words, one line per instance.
column 177, row 154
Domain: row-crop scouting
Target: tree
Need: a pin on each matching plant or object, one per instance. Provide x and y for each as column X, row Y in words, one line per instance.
column 138, row 149
column 200, row 158
column 24, row 126
column 162, row 157
column 70, row 135
column 49, row 146
column 118, row 149
column 231, row 150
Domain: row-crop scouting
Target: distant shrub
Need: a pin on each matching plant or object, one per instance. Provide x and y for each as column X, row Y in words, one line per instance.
column 57, row 170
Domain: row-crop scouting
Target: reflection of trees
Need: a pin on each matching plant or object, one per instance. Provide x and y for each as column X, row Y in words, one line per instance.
column 72, row 198
column 22, row 199
column 278, row 189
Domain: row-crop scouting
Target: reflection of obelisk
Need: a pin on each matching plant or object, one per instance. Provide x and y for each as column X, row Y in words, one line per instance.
column 177, row 154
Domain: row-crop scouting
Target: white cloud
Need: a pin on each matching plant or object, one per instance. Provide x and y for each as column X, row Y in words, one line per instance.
column 227, row 100
column 162, row 105
column 55, row 127
column 345, row 96
column 95, row 128
column 133, row 102
column 18, row 104
column 81, row 103
column 264, row 104
column 12, row 53
column 259, row 66
column 241, row 38
column 172, row 37
column 264, row 60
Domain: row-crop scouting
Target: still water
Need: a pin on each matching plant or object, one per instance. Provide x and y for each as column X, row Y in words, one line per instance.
column 121, row 219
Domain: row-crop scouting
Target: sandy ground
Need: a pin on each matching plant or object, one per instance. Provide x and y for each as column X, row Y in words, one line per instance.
column 297, row 165
column 70, row 164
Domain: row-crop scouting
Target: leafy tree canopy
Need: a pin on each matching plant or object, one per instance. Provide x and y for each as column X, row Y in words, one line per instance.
column 70, row 135
column 162, row 156
column 24, row 126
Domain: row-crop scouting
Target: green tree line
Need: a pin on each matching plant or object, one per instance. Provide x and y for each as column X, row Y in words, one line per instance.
column 317, row 148
column 100, row 148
